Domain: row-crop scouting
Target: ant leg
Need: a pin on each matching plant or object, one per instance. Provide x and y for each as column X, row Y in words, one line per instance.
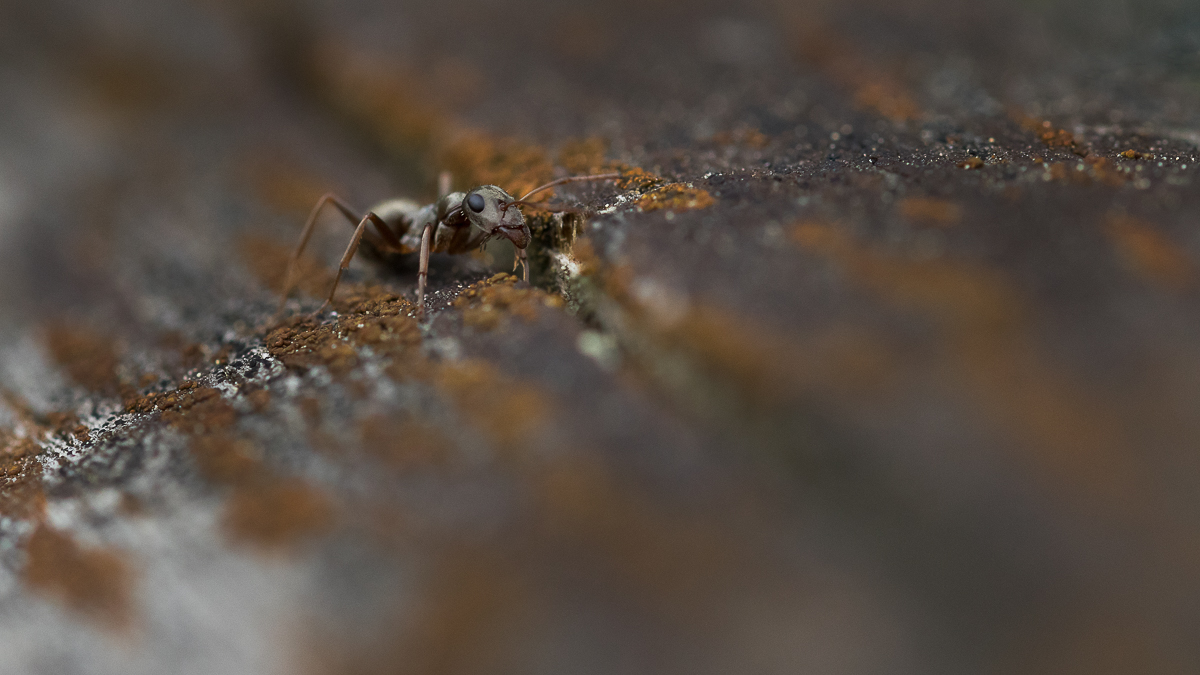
column 386, row 239
column 290, row 279
column 346, row 258
column 443, row 184
column 310, row 226
column 523, row 261
column 423, row 274
column 385, row 233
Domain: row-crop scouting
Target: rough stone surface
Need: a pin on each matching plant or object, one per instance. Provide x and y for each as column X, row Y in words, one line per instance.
column 883, row 355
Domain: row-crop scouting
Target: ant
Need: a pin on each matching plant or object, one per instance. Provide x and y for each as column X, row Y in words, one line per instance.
column 457, row 222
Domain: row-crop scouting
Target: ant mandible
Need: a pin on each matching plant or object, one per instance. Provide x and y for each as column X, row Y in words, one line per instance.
column 457, row 222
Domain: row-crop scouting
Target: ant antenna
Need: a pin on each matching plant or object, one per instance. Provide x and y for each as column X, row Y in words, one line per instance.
column 544, row 207
column 568, row 179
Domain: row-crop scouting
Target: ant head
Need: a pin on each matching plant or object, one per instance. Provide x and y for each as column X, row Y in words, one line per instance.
column 495, row 211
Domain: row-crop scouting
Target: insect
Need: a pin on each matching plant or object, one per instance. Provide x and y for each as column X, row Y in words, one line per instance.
column 457, row 222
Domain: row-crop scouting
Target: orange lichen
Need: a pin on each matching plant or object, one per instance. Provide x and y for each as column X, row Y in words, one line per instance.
column 222, row 355
column 583, row 34
column 584, row 156
column 94, row 230
column 930, row 211
column 881, row 93
column 1134, row 154
column 872, row 87
column 1073, row 435
column 191, row 355
column 225, row 459
column 278, row 179
column 676, row 197
column 1148, row 252
column 205, row 415
column 196, row 411
column 486, row 302
column 1103, row 170
column 1085, row 171
column 410, row 112
column 144, row 404
column 478, row 159
column 89, row 357
column 403, row 442
column 672, row 560
column 381, row 320
column 276, row 514
column 268, row 260
column 658, row 193
column 1048, row 134
column 97, row 583
column 473, row 597
column 131, row 505
column 21, row 494
column 68, row 423
column 975, row 299
column 584, row 254
column 376, row 319
column 1100, row 636
column 471, row 609
column 841, row 361
column 509, row 412
column 1058, row 138
column 637, row 179
column 126, row 77
column 307, row 344
column 264, row 510
column 402, row 108
column 479, row 604
column 745, row 136
column 259, row 399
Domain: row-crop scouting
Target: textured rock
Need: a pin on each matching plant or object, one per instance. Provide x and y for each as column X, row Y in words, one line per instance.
column 880, row 355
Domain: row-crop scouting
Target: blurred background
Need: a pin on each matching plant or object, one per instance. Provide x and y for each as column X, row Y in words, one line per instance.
column 882, row 356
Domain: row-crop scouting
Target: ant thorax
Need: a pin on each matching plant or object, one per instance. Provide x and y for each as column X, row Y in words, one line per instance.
column 408, row 219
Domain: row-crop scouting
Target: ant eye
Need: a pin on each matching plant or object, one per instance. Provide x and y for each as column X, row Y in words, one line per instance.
column 475, row 201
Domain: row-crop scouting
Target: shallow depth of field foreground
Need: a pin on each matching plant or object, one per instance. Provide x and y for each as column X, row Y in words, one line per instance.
column 879, row 354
